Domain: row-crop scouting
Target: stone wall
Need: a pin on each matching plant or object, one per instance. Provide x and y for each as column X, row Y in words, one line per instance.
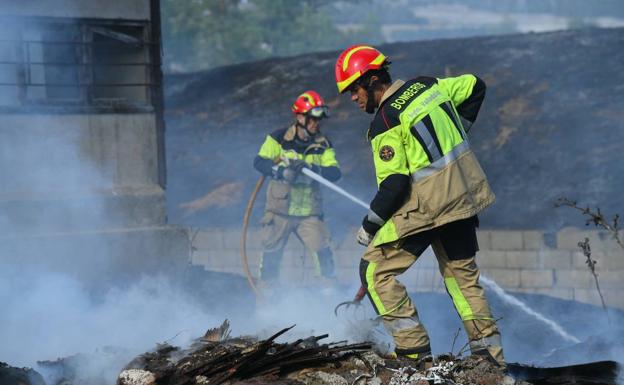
column 519, row 261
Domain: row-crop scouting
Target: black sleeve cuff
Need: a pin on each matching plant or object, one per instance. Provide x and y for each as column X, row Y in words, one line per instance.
column 469, row 109
column 391, row 195
column 332, row 173
column 264, row 165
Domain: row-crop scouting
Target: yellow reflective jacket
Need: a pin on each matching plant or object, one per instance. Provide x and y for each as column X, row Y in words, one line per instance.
column 303, row 197
column 418, row 132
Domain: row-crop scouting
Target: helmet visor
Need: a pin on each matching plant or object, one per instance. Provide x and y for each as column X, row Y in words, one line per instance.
column 319, row 112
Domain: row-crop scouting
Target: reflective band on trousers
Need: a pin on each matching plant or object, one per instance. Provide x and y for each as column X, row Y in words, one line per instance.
column 370, row 283
column 485, row 342
column 398, row 324
column 439, row 164
column 459, row 300
column 370, row 286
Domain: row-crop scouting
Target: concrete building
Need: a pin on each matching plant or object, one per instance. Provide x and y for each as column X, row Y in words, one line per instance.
column 82, row 174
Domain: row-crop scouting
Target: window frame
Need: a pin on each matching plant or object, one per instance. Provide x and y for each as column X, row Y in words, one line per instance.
column 84, row 46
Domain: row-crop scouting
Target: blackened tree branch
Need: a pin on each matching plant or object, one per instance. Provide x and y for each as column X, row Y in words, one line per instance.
column 455, row 339
column 592, row 268
column 597, row 218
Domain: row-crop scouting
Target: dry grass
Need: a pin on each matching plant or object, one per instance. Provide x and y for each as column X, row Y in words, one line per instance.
column 227, row 194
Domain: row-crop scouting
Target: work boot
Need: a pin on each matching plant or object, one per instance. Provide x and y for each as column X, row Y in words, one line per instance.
column 419, row 361
column 484, row 352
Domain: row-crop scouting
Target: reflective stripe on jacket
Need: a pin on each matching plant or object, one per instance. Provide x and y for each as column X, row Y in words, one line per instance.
column 417, row 132
column 303, row 197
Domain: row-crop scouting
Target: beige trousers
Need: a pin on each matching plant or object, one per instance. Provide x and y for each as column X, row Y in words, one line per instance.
column 378, row 270
column 312, row 232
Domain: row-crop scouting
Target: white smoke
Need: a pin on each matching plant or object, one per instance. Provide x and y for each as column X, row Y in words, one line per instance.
column 47, row 316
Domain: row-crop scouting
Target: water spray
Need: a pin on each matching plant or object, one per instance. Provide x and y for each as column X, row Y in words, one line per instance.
column 312, row 175
column 516, row 302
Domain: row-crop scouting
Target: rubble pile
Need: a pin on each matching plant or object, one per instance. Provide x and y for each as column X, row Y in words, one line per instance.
column 449, row 370
column 218, row 359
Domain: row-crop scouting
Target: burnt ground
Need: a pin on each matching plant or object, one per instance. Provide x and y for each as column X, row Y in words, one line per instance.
column 218, row 358
column 526, row 341
column 551, row 125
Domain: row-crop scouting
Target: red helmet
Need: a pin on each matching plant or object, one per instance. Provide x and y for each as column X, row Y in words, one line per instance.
column 354, row 61
column 311, row 103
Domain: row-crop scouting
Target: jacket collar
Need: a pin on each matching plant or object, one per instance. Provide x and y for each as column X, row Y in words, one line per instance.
column 393, row 88
column 291, row 134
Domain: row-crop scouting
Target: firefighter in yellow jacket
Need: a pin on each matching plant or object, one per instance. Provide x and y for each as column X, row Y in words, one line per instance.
column 293, row 201
column 430, row 189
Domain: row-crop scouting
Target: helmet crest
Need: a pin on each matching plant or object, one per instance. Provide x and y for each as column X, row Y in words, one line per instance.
column 354, row 62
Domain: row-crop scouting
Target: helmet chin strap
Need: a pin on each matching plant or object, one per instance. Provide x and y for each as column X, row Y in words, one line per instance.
column 370, row 99
column 307, row 134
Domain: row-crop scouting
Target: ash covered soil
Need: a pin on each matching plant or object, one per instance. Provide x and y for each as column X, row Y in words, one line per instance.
column 304, row 354
column 551, row 126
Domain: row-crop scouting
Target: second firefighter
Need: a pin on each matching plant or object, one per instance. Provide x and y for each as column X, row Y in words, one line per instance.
column 293, row 201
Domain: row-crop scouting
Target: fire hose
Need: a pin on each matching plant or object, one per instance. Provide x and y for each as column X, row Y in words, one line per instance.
column 243, row 241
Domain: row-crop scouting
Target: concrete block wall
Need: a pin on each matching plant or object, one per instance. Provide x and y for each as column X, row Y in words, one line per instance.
column 519, row 261
column 522, row 261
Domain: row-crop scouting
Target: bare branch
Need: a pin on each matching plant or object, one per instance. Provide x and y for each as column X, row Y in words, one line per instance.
column 455, row 339
column 597, row 218
column 591, row 264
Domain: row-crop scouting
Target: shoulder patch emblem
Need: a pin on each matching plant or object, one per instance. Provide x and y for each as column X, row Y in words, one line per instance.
column 386, row 153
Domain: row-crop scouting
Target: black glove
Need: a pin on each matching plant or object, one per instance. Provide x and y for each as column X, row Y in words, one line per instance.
column 291, row 171
column 286, row 173
column 296, row 165
column 369, row 226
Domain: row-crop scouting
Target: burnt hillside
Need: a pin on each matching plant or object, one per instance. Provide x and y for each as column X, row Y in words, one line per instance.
column 552, row 124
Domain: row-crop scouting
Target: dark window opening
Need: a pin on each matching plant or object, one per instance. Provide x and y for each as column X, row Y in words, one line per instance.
column 118, row 73
column 95, row 64
column 51, row 62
